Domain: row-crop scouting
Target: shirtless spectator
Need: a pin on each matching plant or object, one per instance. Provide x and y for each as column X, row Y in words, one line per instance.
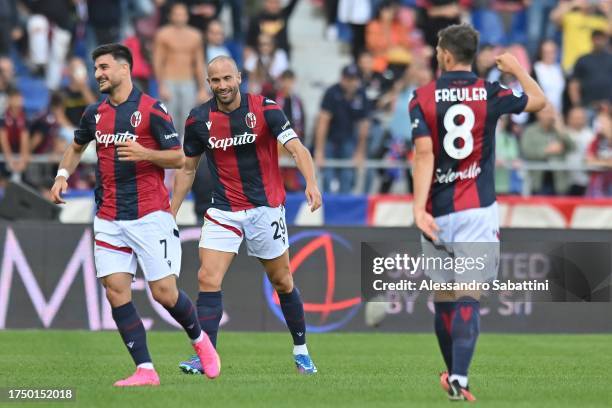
column 178, row 62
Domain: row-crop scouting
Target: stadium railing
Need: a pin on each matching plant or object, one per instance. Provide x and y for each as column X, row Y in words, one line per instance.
column 524, row 169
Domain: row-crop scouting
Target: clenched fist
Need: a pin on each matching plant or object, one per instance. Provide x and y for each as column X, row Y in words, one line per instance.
column 508, row 63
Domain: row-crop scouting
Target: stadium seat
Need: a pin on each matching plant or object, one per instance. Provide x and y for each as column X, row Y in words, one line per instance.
column 35, row 94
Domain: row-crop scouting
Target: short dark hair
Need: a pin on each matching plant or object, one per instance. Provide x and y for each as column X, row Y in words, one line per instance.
column 287, row 74
column 12, row 90
column 57, row 99
column 177, row 4
column 385, row 4
column 461, row 40
column 598, row 33
column 118, row 51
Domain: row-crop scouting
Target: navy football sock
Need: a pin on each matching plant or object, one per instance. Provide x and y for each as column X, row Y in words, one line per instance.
column 293, row 310
column 210, row 310
column 465, row 329
column 444, row 313
column 185, row 314
column 132, row 332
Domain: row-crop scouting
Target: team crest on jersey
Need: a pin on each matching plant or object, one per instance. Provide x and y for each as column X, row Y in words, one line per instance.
column 136, row 119
column 251, row 120
column 97, row 116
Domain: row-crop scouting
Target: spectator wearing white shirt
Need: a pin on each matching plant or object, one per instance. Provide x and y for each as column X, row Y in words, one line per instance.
column 549, row 74
column 215, row 41
column 357, row 14
column 265, row 66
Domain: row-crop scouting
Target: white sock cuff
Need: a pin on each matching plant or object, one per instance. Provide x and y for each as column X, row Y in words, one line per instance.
column 199, row 339
column 301, row 349
column 463, row 380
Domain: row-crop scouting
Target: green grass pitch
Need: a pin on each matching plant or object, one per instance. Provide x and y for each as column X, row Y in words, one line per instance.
column 355, row 370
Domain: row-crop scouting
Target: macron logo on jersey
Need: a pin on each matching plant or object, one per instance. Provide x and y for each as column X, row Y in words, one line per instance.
column 237, row 140
column 114, row 138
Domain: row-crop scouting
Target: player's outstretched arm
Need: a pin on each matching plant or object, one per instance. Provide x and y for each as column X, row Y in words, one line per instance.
column 303, row 160
column 536, row 100
column 422, row 172
column 183, row 180
column 134, row 151
column 69, row 163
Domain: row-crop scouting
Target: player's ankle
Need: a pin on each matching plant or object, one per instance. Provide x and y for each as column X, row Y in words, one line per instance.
column 462, row 379
column 199, row 338
column 300, row 349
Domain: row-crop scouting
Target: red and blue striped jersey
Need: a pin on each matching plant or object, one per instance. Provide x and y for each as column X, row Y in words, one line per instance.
column 459, row 111
column 242, row 151
column 128, row 190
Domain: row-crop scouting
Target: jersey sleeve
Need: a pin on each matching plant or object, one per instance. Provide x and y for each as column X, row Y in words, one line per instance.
column 361, row 109
column 84, row 133
column 162, row 128
column 579, row 70
column 417, row 119
column 502, row 99
column 196, row 135
column 277, row 122
column 328, row 100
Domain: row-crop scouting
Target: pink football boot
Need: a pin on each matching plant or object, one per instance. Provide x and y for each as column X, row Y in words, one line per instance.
column 142, row 376
column 208, row 357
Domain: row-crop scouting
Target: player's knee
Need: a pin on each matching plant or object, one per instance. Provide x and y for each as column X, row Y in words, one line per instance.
column 117, row 296
column 166, row 295
column 282, row 282
column 208, row 281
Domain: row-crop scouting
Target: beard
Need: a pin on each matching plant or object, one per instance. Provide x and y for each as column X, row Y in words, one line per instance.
column 228, row 97
column 106, row 88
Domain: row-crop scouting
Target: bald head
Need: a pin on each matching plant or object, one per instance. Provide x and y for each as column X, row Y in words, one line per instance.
column 222, row 63
column 224, row 80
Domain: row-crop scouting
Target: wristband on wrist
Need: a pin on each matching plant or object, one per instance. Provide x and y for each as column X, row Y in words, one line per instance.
column 63, row 173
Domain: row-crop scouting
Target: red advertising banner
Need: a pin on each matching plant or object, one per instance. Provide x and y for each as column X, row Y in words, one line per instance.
column 515, row 212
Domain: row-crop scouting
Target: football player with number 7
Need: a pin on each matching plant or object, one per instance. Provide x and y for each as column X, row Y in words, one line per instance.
column 453, row 127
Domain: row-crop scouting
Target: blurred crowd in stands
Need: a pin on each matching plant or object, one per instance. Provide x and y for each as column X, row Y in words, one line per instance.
column 46, row 79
